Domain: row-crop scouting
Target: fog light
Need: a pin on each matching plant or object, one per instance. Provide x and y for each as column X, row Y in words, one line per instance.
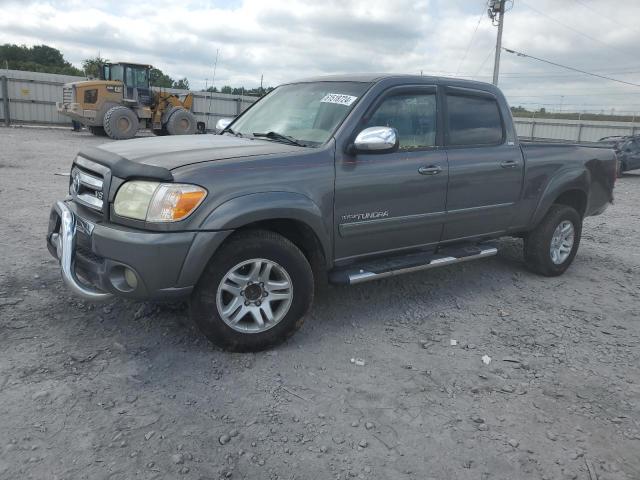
column 130, row 278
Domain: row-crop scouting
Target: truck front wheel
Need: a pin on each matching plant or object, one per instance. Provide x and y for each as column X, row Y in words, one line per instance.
column 254, row 293
column 550, row 248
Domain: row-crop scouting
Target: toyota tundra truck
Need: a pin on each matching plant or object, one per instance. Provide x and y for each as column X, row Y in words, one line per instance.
column 345, row 179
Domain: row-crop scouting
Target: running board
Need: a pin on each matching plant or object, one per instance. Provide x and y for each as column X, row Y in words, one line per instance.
column 409, row 264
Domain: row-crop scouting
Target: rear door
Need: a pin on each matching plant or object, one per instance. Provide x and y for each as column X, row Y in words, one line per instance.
column 631, row 154
column 485, row 168
column 393, row 201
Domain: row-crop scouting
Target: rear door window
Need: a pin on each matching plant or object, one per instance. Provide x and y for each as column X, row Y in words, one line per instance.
column 473, row 120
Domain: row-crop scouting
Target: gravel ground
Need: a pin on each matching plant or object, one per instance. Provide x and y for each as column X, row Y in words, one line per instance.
column 131, row 390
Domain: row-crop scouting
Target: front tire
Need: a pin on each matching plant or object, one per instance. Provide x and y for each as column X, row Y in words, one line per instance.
column 181, row 122
column 550, row 248
column 254, row 293
column 120, row 123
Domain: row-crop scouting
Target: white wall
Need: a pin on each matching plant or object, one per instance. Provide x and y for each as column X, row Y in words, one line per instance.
column 33, row 97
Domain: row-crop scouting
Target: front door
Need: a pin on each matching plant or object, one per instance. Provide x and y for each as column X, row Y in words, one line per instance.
column 393, row 201
column 485, row 168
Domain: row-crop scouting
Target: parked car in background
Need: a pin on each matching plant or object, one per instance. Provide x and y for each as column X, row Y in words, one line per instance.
column 627, row 150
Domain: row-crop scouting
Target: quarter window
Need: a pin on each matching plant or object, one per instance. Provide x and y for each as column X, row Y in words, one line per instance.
column 412, row 115
column 473, row 120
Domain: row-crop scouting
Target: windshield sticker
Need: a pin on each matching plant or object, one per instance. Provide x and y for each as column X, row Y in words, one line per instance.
column 339, row 98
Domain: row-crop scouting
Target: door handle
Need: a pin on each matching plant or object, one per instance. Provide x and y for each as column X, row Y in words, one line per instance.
column 509, row 164
column 430, row 170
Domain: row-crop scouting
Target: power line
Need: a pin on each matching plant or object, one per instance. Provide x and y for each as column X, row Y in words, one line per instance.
column 483, row 63
column 520, row 54
column 471, row 41
column 575, row 30
column 579, row 2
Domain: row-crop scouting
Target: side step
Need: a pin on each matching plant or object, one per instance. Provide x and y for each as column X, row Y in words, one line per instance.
column 376, row 270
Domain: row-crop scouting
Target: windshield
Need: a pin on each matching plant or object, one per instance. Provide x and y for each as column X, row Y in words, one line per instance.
column 305, row 112
column 117, row 73
column 137, row 77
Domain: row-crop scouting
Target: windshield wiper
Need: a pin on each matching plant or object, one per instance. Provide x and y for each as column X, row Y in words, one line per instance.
column 278, row 137
column 229, row 130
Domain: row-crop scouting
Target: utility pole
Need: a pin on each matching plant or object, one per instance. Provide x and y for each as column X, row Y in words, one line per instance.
column 496, row 14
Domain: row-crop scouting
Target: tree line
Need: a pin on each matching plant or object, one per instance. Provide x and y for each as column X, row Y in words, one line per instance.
column 45, row 59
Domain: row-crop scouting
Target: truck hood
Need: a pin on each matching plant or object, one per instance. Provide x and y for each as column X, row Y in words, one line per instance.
column 171, row 152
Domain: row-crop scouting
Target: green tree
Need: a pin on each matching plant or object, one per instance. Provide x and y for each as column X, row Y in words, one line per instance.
column 39, row 58
column 93, row 66
column 46, row 55
column 160, row 79
column 182, row 84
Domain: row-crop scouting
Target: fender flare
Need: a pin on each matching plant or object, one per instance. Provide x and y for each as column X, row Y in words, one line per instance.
column 255, row 207
column 563, row 181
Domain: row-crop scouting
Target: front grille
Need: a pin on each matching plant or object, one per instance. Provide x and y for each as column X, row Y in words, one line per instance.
column 87, row 183
column 67, row 94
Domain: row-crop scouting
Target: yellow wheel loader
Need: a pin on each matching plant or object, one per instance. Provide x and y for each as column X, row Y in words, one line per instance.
column 122, row 101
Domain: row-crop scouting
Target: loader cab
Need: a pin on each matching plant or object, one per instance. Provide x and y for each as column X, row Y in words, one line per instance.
column 136, row 80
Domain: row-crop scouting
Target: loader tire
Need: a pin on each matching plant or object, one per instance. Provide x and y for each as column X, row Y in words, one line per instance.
column 120, row 123
column 181, row 122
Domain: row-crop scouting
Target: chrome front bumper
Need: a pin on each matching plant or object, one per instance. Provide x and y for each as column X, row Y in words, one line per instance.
column 64, row 242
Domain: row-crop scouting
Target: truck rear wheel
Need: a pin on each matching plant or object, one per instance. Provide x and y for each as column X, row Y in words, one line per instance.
column 181, row 122
column 254, row 293
column 550, row 248
column 120, row 123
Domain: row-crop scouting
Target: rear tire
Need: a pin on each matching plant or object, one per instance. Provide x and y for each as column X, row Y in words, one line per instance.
column 120, row 123
column 550, row 248
column 181, row 122
column 256, row 273
column 98, row 131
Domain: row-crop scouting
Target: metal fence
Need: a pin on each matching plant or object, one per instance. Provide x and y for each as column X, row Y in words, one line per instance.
column 572, row 130
column 30, row 97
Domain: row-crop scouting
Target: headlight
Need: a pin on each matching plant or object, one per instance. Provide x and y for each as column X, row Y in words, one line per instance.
column 157, row 202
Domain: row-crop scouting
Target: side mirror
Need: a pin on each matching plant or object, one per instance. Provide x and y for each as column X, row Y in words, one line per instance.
column 376, row 140
column 223, row 123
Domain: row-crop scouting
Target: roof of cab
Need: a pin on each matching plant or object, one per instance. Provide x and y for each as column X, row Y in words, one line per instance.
column 401, row 78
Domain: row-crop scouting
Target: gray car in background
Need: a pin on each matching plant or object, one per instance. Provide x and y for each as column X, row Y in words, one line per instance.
column 347, row 178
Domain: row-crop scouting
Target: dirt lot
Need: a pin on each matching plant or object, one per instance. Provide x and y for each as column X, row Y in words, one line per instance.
column 131, row 390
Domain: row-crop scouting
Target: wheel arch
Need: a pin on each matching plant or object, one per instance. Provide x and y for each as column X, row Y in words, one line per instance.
column 568, row 188
column 292, row 215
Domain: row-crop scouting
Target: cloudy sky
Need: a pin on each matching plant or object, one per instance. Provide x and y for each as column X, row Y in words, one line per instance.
column 288, row 39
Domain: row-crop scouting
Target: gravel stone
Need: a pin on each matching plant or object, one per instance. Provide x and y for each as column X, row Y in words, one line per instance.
column 111, row 379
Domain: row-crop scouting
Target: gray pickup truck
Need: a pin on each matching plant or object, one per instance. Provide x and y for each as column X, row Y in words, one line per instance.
column 345, row 178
